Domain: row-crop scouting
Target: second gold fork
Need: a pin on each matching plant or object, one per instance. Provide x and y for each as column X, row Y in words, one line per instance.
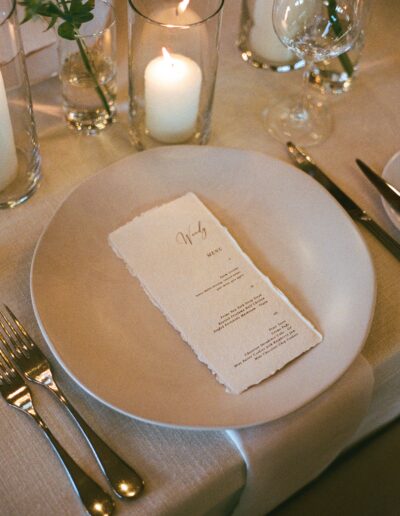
column 31, row 362
column 17, row 394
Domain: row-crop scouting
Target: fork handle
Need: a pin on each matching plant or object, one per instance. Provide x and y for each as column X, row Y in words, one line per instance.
column 123, row 479
column 96, row 501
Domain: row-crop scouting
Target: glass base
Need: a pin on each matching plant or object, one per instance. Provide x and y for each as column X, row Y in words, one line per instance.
column 285, row 122
column 330, row 81
column 25, row 183
column 89, row 122
column 142, row 139
column 336, row 76
column 251, row 57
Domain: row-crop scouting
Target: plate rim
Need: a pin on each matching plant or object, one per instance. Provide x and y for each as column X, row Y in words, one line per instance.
column 283, row 413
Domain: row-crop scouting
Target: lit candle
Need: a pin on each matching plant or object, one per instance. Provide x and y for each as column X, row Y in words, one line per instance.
column 181, row 7
column 8, row 154
column 263, row 39
column 172, row 96
column 181, row 14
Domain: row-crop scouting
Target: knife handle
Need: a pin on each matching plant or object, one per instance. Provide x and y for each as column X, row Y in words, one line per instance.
column 390, row 243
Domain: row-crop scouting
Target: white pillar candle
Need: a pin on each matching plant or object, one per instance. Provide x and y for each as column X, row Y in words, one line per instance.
column 263, row 39
column 172, row 97
column 8, row 154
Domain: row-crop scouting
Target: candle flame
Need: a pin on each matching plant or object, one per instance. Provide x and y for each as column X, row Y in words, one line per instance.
column 167, row 56
column 181, row 7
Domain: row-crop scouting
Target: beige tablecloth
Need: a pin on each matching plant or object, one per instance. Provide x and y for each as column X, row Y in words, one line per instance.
column 196, row 472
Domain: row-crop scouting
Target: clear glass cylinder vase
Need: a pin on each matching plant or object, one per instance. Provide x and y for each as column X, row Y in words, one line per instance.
column 337, row 75
column 87, row 71
column 19, row 150
column 257, row 42
column 173, row 59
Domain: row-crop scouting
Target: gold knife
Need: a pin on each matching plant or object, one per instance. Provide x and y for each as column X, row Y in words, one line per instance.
column 305, row 163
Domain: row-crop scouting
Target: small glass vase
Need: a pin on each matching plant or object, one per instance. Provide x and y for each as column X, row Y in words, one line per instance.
column 173, row 59
column 87, row 71
column 257, row 42
column 19, row 150
column 337, row 75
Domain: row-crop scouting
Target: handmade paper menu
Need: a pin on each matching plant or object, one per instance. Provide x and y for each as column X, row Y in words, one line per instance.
column 236, row 321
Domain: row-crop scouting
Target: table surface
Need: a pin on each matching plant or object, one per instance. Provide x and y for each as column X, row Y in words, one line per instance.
column 202, row 467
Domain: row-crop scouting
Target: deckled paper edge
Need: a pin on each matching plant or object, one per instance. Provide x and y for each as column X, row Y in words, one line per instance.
column 197, row 352
column 147, row 291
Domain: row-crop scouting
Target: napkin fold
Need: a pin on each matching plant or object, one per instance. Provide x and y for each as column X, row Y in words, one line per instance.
column 285, row 455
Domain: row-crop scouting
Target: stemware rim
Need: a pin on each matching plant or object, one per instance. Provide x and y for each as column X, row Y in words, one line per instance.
column 312, row 57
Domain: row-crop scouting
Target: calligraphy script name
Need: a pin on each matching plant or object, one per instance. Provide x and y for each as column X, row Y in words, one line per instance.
column 188, row 237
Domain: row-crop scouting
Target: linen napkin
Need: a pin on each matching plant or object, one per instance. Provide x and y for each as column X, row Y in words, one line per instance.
column 285, row 455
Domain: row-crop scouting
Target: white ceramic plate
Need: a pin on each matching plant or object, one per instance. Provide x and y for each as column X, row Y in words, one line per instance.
column 113, row 341
column 391, row 173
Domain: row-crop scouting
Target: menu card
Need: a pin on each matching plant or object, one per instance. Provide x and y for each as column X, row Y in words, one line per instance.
column 236, row 321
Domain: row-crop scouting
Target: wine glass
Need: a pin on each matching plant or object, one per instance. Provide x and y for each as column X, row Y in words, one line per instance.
column 314, row 30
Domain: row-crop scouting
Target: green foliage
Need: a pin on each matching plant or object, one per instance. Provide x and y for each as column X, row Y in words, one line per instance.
column 70, row 13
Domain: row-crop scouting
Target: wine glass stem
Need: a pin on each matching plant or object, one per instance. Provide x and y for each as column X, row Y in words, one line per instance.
column 301, row 112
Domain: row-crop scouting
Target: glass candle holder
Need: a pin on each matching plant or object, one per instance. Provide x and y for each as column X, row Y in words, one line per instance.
column 87, row 71
column 173, row 58
column 257, row 41
column 19, row 151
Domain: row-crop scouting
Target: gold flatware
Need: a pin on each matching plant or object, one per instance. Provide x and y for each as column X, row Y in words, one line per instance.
column 17, row 394
column 34, row 366
column 306, row 164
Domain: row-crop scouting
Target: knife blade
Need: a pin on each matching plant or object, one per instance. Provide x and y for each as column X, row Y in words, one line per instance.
column 388, row 191
column 305, row 163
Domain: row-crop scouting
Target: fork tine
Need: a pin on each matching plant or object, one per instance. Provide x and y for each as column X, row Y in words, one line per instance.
column 5, row 340
column 21, row 328
column 17, row 343
column 3, row 358
column 6, row 366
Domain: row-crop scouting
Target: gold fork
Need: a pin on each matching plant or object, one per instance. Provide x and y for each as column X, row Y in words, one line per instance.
column 17, row 394
column 31, row 362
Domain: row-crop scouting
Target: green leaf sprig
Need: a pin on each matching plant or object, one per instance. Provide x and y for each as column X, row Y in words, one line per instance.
column 71, row 15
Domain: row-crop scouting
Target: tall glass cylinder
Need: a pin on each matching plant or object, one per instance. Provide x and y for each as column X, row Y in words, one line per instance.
column 173, row 58
column 19, row 151
column 257, row 41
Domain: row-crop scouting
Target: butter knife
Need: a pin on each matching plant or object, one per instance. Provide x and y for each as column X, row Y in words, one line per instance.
column 388, row 191
column 305, row 163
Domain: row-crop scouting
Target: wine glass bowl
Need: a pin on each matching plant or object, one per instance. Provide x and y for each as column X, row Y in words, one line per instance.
column 320, row 31
column 314, row 30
